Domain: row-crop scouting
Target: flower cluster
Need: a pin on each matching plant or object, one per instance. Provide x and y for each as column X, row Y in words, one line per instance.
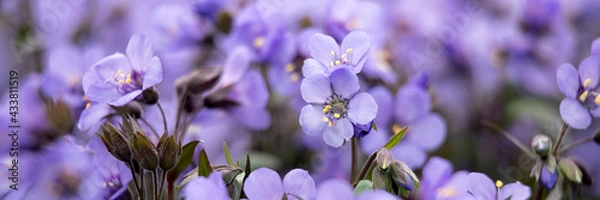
column 312, row 99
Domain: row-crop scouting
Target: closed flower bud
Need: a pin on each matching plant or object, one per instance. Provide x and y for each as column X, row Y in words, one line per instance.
column 403, row 176
column 548, row 178
column 150, row 95
column 203, row 79
column 168, row 152
column 229, row 173
column 130, row 126
column 541, row 144
column 384, row 158
column 116, row 143
column 361, row 130
column 571, row 171
column 597, row 137
column 381, row 180
column 145, row 153
column 132, row 108
column 59, row 115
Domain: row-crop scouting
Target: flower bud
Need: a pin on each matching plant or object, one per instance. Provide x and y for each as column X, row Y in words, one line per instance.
column 132, row 108
column 145, row 153
column 150, row 95
column 384, row 158
column 548, row 178
column 116, row 143
column 403, row 175
column 541, row 144
column 571, row 171
column 381, row 180
column 361, row 130
column 168, row 152
column 203, row 79
column 130, row 126
column 597, row 137
column 229, row 173
column 60, row 116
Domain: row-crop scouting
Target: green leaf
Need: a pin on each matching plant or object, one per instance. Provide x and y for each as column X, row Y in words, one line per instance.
column 247, row 168
column 374, row 126
column 228, row 155
column 362, row 186
column 185, row 159
column 396, row 138
column 204, row 168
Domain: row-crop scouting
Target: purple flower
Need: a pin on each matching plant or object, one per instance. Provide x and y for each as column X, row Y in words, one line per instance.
column 113, row 175
column 547, row 178
column 334, row 189
column 265, row 184
column 581, row 90
column 482, row 187
column 212, row 187
column 438, row 181
column 334, row 106
column 427, row 129
column 118, row 79
column 328, row 56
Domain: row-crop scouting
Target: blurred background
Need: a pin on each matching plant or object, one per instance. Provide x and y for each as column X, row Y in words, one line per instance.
column 486, row 59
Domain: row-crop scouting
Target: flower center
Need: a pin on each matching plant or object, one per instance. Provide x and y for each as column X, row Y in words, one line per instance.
column 127, row 83
column 335, row 108
column 343, row 59
column 589, row 97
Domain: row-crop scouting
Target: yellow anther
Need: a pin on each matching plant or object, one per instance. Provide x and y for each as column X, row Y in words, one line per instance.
column 128, row 80
column 104, row 184
column 290, row 67
column 583, row 96
column 326, row 109
column 258, row 42
column 120, row 72
column 88, row 104
column 349, row 50
column 330, row 123
column 325, row 119
column 587, row 82
column 331, row 63
column 499, row 184
column 396, row 128
column 336, row 115
column 294, row 77
column 338, row 62
column 332, row 53
column 121, row 82
column 597, row 100
column 446, row 192
column 111, row 184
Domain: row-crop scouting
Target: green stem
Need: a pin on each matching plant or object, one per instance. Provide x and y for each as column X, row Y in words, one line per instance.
column 143, row 192
column 162, row 183
column 365, row 168
column 561, row 135
column 354, row 158
column 154, row 184
column 508, row 136
column 162, row 112
column 574, row 144
column 135, row 179
column 151, row 128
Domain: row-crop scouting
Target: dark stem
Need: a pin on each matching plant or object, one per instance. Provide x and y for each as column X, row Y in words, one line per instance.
column 135, row 179
column 162, row 112
column 539, row 191
column 354, row 158
column 508, row 136
column 179, row 110
column 365, row 168
column 561, row 135
column 574, row 144
column 170, row 190
column 154, row 184
column 151, row 128
column 143, row 192
column 162, row 183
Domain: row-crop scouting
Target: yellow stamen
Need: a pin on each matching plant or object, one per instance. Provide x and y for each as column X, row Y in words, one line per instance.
column 349, row 50
column 128, row 80
column 331, row 63
column 258, row 42
column 396, row 129
column 88, row 104
column 597, row 100
column 583, row 96
column 121, row 82
column 110, row 184
column 587, row 82
column 499, row 184
column 338, row 62
column 326, row 109
column 330, row 123
column 290, row 67
column 294, row 77
column 446, row 192
column 325, row 119
column 332, row 53
column 337, row 115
